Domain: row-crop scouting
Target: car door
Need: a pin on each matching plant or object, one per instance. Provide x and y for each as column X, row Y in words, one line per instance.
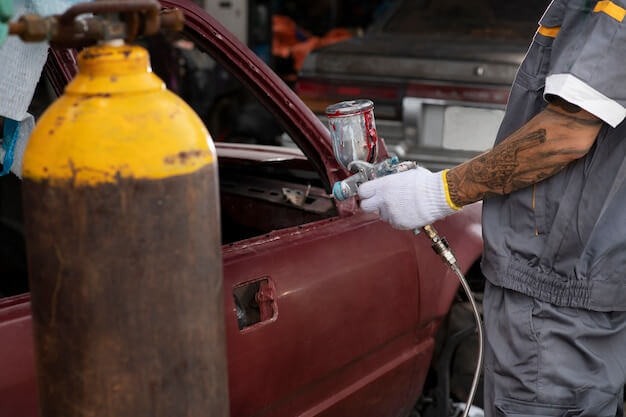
column 339, row 336
column 334, row 301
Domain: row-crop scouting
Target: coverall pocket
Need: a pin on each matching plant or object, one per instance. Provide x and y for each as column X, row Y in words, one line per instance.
column 516, row 408
column 527, row 97
column 532, row 83
column 533, row 70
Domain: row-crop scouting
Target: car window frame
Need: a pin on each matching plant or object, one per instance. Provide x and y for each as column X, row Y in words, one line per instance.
column 304, row 128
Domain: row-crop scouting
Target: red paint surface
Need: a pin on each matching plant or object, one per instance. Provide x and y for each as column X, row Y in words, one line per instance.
column 266, row 299
column 18, row 385
column 308, row 88
column 372, row 135
column 458, row 93
column 357, row 303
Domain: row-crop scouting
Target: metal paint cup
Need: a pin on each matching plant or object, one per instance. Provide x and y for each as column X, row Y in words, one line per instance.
column 353, row 131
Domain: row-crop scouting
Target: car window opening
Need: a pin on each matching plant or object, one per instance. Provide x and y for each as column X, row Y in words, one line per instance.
column 251, row 191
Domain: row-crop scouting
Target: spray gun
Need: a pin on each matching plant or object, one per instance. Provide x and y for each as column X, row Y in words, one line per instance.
column 342, row 190
column 355, row 145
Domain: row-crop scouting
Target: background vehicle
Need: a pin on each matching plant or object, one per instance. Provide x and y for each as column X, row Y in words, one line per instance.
column 328, row 311
column 438, row 71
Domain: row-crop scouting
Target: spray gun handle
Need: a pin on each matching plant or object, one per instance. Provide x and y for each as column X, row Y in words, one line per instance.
column 342, row 190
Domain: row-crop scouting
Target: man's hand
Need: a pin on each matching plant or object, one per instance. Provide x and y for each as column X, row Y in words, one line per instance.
column 409, row 199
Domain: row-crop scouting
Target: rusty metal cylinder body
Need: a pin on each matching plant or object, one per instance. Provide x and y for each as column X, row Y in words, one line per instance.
column 124, row 251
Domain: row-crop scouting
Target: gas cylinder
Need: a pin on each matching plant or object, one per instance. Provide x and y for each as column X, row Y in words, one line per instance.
column 123, row 240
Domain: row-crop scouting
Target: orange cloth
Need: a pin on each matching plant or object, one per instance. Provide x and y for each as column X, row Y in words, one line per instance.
column 285, row 42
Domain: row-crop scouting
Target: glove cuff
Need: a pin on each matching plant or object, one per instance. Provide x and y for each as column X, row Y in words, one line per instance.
column 446, row 189
column 437, row 195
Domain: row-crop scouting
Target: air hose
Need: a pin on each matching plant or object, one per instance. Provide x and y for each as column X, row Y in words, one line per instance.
column 479, row 360
column 442, row 248
column 355, row 143
column 348, row 188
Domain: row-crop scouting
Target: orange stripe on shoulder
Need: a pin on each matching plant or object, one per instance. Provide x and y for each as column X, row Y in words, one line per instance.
column 616, row 12
column 549, row 32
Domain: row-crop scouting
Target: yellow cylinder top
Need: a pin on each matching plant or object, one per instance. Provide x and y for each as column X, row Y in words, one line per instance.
column 116, row 119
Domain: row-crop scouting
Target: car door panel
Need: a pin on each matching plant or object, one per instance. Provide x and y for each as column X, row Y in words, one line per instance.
column 345, row 307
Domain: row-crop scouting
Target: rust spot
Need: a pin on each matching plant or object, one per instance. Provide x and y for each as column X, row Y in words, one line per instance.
column 45, row 169
column 184, row 156
column 59, row 121
column 51, row 132
column 174, row 113
column 127, row 53
column 113, row 78
column 90, row 96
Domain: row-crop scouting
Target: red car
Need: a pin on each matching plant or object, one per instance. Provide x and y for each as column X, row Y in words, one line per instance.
column 328, row 310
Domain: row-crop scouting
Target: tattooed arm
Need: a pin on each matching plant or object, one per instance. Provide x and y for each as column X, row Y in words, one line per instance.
column 558, row 135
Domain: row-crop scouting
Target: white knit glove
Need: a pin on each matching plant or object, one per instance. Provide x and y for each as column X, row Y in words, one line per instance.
column 409, row 199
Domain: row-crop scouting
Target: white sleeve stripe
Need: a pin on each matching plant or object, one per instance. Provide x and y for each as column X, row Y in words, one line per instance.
column 577, row 92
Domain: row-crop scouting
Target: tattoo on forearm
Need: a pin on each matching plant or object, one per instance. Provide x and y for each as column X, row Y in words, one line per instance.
column 492, row 172
column 527, row 156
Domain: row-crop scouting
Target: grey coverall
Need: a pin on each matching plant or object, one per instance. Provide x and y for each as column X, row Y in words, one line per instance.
column 555, row 253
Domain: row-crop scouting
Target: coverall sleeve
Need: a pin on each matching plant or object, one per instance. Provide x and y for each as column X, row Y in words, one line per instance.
column 588, row 60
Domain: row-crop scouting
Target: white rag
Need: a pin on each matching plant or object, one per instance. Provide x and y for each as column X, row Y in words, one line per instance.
column 21, row 65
